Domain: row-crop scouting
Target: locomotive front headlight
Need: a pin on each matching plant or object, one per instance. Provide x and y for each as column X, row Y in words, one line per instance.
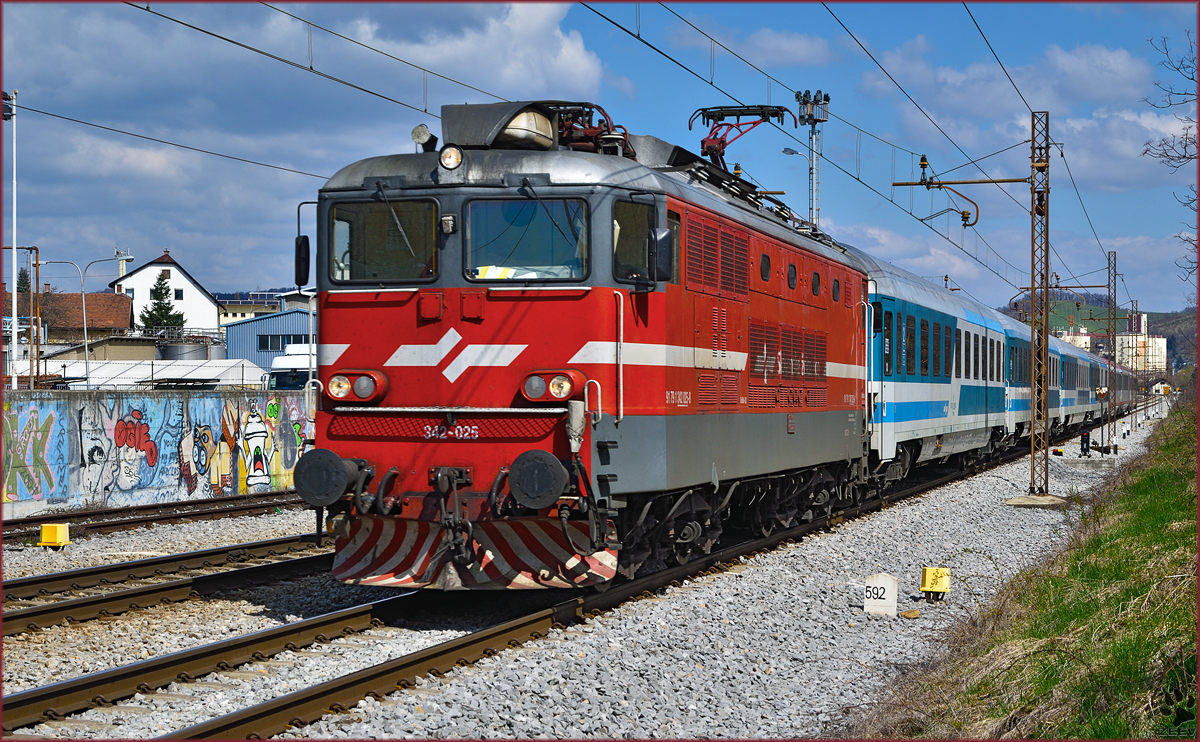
column 451, row 157
column 339, row 386
column 535, row 387
column 364, row 387
column 560, row 386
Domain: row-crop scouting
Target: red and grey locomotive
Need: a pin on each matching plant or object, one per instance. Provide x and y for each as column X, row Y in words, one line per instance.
column 552, row 352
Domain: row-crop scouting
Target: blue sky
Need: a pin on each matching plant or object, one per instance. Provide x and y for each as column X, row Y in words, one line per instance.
column 82, row 191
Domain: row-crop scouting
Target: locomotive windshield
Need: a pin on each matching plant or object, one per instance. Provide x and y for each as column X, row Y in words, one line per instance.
column 527, row 239
column 389, row 241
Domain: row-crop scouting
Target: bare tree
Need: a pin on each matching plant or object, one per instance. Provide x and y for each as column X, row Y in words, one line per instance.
column 1179, row 150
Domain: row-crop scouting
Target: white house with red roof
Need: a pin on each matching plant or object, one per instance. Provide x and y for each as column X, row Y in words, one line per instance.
column 201, row 310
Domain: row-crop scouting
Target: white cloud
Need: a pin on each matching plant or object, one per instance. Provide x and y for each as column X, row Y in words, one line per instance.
column 765, row 48
column 622, row 84
column 527, row 53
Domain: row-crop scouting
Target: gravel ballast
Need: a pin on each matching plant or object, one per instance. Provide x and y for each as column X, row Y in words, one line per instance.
column 155, row 540
column 776, row 647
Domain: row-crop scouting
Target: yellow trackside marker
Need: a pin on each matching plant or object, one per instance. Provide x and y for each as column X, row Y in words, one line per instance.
column 935, row 583
column 55, row 535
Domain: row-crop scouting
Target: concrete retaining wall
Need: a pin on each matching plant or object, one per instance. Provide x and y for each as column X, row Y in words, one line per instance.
column 108, row 449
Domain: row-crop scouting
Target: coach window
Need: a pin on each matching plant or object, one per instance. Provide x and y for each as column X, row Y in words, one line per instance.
column 958, row 353
column 816, row 284
column 887, row 343
column 975, row 354
column 910, row 345
column 764, row 267
column 937, row 349
column 924, row 345
column 632, row 226
column 837, row 290
column 384, row 241
column 984, row 359
column 676, row 226
column 791, row 276
column 949, row 341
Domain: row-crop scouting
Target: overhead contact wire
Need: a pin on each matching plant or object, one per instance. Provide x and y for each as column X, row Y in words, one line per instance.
column 1012, row 82
column 172, row 144
column 288, row 62
column 386, row 54
column 826, row 159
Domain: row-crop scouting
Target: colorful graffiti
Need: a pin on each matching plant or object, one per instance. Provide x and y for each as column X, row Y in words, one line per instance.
column 114, row 449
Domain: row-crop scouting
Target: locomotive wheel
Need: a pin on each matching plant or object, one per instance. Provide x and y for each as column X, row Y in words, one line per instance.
column 682, row 554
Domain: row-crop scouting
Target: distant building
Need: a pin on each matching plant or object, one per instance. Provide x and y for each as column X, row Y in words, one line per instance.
column 260, row 339
column 240, row 305
column 201, row 310
column 61, row 316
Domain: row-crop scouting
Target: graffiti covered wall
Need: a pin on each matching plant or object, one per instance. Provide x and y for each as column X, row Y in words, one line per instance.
column 105, row 449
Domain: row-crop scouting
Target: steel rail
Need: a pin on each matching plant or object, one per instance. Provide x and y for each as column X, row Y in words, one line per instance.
column 104, row 574
column 112, row 519
column 310, row 704
column 89, row 607
column 105, row 688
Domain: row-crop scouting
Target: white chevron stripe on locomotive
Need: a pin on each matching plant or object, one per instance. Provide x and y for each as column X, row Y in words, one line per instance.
column 472, row 355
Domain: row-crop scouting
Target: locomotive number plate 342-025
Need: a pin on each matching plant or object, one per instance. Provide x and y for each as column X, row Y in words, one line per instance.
column 442, row 432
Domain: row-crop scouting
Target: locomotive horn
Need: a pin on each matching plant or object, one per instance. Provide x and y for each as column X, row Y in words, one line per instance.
column 322, row 477
column 536, row 479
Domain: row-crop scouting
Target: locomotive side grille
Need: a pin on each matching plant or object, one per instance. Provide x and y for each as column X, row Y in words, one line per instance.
column 734, row 268
column 791, row 343
column 791, row 397
column 762, row 396
column 815, row 344
column 707, row 389
column 817, row 397
column 729, row 389
column 741, row 272
column 695, row 255
column 764, row 352
column 435, row 428
column 711, row 252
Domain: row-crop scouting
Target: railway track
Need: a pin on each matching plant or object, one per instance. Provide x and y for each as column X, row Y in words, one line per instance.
column 305, row 706
column 92, row 592
column 88, row 522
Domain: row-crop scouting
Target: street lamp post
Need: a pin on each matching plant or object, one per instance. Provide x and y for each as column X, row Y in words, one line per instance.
column 10, row 102
column 87, row 366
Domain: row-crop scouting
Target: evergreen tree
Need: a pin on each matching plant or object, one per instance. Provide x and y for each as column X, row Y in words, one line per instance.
column 160, row 312
column 23, row 282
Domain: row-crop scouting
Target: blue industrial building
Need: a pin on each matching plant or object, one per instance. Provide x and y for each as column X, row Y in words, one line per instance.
column 261, row 339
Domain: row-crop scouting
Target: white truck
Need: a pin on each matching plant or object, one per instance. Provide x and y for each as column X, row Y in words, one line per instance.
column 290, row 370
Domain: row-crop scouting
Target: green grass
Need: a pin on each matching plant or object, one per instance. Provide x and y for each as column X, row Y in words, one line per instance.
column 1096, row 643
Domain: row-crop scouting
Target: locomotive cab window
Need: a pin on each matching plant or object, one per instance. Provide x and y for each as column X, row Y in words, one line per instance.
column 791, row 276
column 837, row 290
column 764, row 267
column 526, row 239
column 816, row 283
column 384, row 241
column 633, row 225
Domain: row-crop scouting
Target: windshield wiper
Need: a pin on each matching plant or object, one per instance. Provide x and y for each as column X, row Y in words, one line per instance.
column 379, row 187
column 525, row 182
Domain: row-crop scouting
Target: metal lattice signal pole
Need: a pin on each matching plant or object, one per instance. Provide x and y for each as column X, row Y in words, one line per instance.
column 1134, row 324
column 1039, row 305
column 1110, row 422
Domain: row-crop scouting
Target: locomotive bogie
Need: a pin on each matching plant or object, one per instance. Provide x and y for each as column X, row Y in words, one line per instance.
column 549, row 366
